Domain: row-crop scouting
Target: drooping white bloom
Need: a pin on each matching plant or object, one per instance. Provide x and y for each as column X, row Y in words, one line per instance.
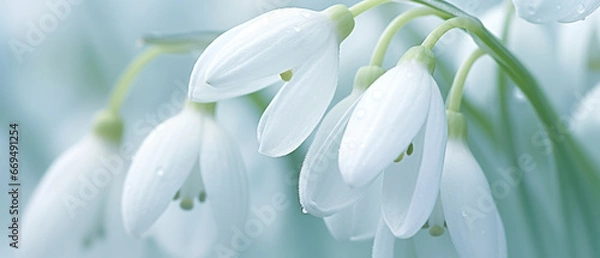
column 190, row 157
column 297, row 45
column 471, row 215
column 401, row 112
column 322, row 190
column 67, row 214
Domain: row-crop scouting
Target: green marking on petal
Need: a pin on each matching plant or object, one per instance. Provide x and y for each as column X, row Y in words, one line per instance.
column 436, row 231
column 286, row 76
column 411, row 149
column 187, row 204
column 399, row 157
column 202, row 197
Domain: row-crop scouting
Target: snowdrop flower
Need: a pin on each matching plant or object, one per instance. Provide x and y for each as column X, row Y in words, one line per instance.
column 350, row 213
column 65, row 216
column 469, row 210
column 322, row 190
column 298, row 46
column 585, row 122
column 190, row 160
column 402, row 112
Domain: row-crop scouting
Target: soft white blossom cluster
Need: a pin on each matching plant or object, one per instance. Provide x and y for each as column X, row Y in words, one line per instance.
column 400, row 164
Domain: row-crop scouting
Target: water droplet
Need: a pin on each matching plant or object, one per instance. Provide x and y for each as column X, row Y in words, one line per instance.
column 361, row 113
column 306, row 15
column 558, row 6
column 160, row 172
column 297, row 28
column 531, row 9
column 580, row 8
column 304, row 211
column 519, row 96
column 464, row 213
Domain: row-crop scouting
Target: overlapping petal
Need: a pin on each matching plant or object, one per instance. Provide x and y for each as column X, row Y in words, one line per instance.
column 385, row 121
column 411, row 187
column 270, row 44
column 251, row 56
column 160, row 167
column 358, row 221
column 299, row 106
column 322, row 189
column 224, row 176
column 383, row 244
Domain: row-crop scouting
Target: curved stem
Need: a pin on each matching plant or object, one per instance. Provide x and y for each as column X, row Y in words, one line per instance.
column 456, row 91
column 395, row 25
column 131, row 72
column 365, row 5
column 456, row 22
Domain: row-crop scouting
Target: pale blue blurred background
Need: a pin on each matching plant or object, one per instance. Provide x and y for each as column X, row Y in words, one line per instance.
column 54, row 88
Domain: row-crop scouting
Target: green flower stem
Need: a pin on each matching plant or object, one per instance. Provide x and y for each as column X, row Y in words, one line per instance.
column 522, row 78
column 453, row 23
column 456, row 91
column 576, row 170
column 395, row 26
column 366, row 5
column 131, row 72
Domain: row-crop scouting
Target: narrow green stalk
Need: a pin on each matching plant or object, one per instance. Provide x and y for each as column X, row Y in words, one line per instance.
column 131, row 72
column 456, row 91
column 582, row 185
column 453, row 23
column 366, row 5
column 395, row 25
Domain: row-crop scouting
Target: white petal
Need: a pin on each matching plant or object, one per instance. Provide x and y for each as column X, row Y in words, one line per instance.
column 269, row 45
column 411, row 189
column 300, row 104
column 224, row 176
column 471, row 215
column 71, row 193
column 358, row 221
column 322, row 190
column 200, row 91
column 367, row 213
column 383, row 245
column 385, row 121
column 555, row 10
column 184, row 233
column 160, row 167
